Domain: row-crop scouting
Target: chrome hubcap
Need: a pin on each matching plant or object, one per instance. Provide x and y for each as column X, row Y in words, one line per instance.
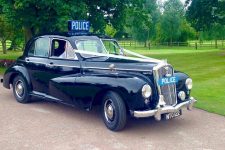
column 109, row 110
column 19, row 89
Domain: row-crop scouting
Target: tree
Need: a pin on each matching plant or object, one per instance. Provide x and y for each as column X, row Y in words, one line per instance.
column 171, row 21
column 36, row 17
column 4, row 32
column 41, row 16
column 220, row 13
column 200, row 13
column 205, row 15
column 106, row 12
column 187, row 32
column 109, row 30
column 140, row 20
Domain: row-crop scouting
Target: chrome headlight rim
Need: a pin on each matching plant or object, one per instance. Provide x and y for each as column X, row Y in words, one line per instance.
column 189, row 83
column 146, row 91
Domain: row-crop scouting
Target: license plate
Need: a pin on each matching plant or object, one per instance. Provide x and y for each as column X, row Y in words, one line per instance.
column 167, row 80
column 173, row 115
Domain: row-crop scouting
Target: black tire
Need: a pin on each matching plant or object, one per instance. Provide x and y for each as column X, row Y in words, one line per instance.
column 20, row 90
column 117, row 120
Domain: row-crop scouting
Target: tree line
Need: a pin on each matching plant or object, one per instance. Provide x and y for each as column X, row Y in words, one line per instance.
column 142, row 20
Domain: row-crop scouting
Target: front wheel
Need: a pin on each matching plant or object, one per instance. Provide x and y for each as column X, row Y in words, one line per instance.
column 114, row 111
column 20, row 90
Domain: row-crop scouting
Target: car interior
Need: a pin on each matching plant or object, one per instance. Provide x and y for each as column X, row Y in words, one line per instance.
column 58, row 47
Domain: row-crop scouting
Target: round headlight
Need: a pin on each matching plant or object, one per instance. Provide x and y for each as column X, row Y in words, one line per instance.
column 146, row 91
column 182, row 95
column 188, row 83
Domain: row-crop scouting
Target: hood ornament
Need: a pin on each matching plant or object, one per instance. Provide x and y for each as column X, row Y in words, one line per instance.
column 167, row 72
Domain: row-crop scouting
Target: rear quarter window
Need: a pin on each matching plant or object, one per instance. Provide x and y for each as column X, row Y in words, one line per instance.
column 40, row 47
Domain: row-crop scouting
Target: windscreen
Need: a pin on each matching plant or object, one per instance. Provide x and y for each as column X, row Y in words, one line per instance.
column 112, row 47
column 104, row 48
column 91, row 45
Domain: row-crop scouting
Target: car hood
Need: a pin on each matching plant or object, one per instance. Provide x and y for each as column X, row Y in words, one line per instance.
column 121, row 63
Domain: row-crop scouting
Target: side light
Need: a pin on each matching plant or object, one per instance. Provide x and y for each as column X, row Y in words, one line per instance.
column 188, row 83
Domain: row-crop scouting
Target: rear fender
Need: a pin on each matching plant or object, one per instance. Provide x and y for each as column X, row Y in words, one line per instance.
column 14, row 71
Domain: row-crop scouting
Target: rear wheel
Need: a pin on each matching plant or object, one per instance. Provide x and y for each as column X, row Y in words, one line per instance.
column 20, row 90
column 114, row 111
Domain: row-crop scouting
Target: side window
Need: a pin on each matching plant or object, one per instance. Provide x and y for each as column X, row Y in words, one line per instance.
column 62, row 49
column 40, row 47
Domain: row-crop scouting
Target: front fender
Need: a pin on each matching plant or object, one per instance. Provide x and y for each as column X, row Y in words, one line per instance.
column 181, row 80
column 181, row 83
column 93, row 86
column 12, row 72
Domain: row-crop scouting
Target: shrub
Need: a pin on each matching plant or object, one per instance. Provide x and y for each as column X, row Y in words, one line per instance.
column 6, row 62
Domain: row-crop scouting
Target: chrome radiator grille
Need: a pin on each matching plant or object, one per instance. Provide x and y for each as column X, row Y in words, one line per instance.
column 168, row 91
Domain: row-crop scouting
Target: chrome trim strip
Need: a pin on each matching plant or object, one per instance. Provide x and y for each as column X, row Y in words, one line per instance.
column 118, row 69
column 37, row 62
column 66, row 66
column 52, row 64
column 100, row 68
column 163, row 110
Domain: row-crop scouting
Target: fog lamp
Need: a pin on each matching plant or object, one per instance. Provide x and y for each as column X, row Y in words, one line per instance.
column 182, row 95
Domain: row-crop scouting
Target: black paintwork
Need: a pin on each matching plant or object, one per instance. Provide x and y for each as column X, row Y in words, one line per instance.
column 83, row 82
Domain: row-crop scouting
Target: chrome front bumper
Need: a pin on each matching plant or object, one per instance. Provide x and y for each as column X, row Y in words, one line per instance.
column 163, row 110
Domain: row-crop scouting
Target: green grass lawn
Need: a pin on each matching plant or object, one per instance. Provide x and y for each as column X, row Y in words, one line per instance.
column 206, row 68
column 10, row 55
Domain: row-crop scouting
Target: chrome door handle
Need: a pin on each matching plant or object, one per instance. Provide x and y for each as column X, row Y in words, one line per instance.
column 50, row 64
column 27, row 59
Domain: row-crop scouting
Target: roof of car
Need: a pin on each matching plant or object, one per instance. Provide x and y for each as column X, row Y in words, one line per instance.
column 77, row 36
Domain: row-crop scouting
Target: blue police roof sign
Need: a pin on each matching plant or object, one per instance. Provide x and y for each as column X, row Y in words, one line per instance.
column 78, row 26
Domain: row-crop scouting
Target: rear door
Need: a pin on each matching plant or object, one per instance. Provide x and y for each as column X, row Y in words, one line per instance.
column 35, row 62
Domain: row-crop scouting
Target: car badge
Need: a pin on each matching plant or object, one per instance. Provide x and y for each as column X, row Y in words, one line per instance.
column 112, row 67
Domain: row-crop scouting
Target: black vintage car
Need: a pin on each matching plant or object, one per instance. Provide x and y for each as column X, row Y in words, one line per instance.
column 87, row 70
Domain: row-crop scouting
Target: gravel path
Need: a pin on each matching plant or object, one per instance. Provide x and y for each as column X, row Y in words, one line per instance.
column 45, row 125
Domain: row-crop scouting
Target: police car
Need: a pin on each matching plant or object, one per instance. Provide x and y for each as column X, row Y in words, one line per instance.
column 82, row 69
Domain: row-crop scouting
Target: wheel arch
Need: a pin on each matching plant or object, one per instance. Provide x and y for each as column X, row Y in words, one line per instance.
column 97, row 100
column 15, row 71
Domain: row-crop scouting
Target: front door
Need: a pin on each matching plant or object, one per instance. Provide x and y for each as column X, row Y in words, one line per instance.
column 63, row 67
